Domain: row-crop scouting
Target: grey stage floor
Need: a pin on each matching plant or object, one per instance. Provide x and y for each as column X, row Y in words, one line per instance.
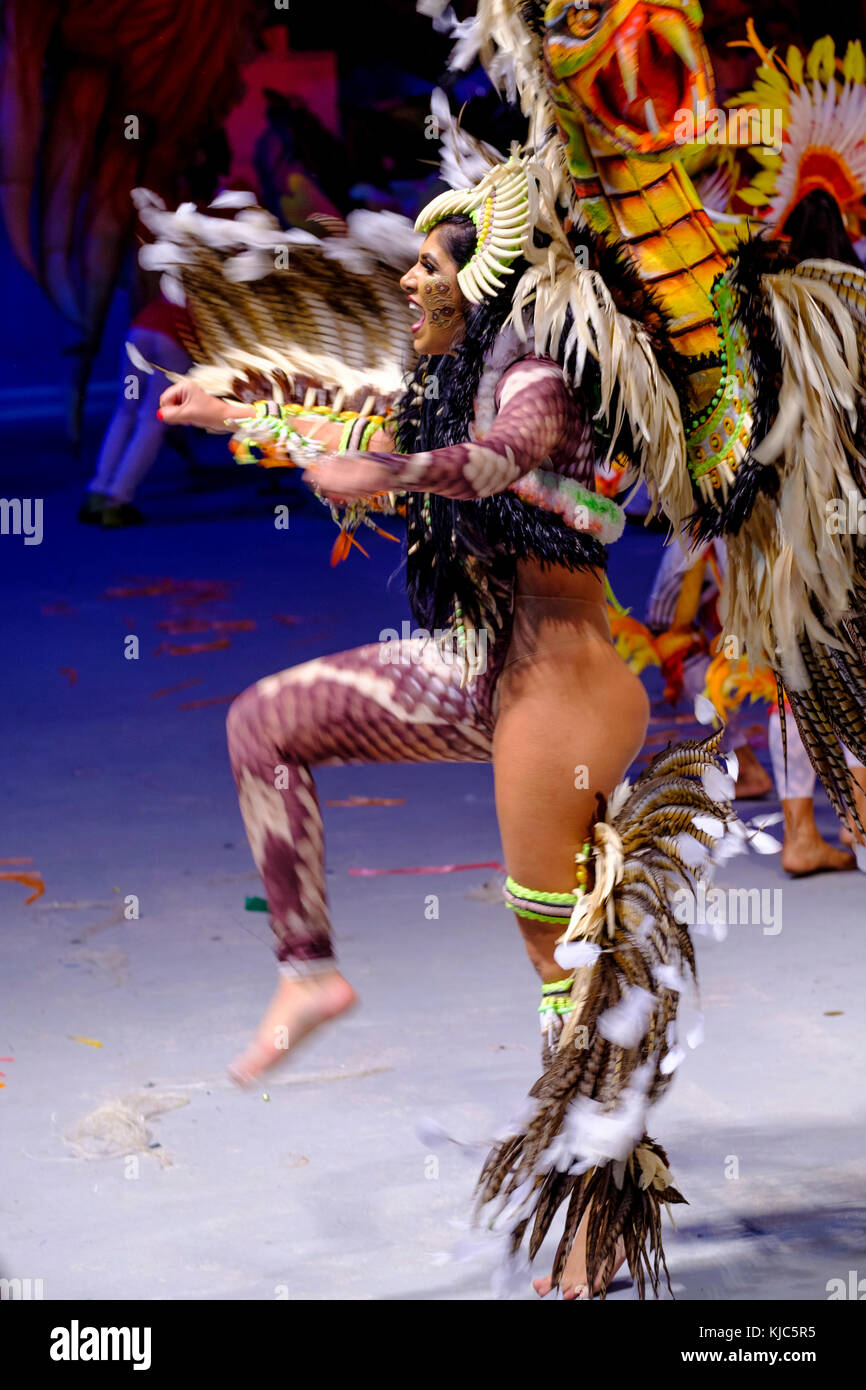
column 325, row 1190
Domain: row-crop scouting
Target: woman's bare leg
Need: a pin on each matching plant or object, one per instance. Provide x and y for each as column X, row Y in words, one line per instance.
column 571, row 719
column 387, row 702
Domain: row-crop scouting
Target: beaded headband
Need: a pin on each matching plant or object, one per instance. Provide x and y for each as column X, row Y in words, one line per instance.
column 499, row 206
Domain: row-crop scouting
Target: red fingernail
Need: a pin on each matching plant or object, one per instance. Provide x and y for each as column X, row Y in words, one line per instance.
column 159, row 415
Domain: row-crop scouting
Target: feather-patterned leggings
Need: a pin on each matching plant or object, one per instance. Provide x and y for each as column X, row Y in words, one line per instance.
column 561, row 722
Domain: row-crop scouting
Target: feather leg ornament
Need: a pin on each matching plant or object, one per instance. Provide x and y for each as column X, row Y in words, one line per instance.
column 586, row 1145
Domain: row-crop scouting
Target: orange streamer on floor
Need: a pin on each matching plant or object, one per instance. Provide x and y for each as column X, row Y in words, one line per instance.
column 29, row 881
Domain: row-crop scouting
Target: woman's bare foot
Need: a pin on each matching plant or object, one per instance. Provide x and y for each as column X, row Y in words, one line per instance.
column 573, row 1283
column 296, row 1010
column 815, row 856
column 804, row 851
column 753, row 780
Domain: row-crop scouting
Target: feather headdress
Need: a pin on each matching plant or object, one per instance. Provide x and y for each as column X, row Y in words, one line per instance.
column 820, row 101
column 500, row 207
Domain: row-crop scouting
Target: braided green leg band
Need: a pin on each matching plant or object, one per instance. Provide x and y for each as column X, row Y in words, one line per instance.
column 541, row 907
column 555, row 908
column 556, row 1004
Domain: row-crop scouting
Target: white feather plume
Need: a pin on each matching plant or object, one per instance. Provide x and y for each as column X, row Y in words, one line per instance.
column 626, row 1023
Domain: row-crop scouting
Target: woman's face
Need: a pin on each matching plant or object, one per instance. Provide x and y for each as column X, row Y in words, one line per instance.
column 432, row 288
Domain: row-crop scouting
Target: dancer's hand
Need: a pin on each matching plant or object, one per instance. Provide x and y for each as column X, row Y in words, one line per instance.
column 185, row 403
column 348, row 477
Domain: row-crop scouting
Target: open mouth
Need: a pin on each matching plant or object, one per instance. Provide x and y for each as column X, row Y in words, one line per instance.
column 416, row 327
column 654, row 74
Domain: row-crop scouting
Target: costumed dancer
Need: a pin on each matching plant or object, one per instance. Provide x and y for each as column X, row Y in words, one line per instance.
column 135, row 433
column 759, row 436
column 681, row 615
column 505, row 554
column 810, row 191
column 682, row 609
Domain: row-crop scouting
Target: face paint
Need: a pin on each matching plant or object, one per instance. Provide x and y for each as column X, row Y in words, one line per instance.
column 439, row 301
column 432, row 287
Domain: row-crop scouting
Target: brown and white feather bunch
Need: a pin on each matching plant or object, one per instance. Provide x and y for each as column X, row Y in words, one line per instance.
column 585, row 1146
column 634, row 388
column 270, row 307
column 812, row 444
column 795, row 588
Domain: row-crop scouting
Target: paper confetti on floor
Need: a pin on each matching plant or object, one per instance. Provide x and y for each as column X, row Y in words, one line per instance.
column 211, row 700
column 177, row 626
column 173, row 689
column 184, row 590
column 30, row 881
column 219, row 644
column 369, row 801
column 429, row 869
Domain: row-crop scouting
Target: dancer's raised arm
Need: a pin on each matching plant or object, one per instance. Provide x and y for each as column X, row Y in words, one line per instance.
column 537, row 418
column 186, row 403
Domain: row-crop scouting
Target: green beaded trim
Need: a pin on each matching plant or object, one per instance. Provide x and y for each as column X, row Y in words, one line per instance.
column 556, row 997
column 459, row 624
column 593, row 501
column 265, row 424
column 556, row 1006
column 729, row 401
